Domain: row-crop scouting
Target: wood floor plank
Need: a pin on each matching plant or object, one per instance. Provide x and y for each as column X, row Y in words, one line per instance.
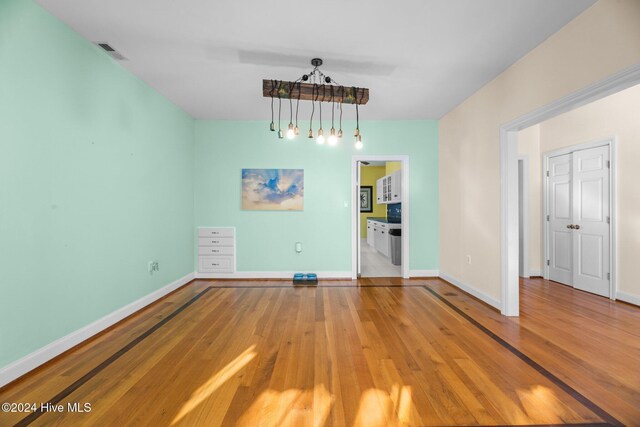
column 388, row 353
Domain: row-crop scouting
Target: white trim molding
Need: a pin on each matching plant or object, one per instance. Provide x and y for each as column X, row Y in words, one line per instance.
column 629, row 298
column 509, row 172
column 48, row 352
column 471, row 290
column 424, row 273
column 273, row 275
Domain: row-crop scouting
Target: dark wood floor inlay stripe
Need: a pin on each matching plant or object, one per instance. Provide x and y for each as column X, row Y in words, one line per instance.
column 610, row 419
column 85, row 378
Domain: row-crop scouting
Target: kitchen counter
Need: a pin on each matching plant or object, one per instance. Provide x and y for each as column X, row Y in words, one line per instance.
column 384, row 220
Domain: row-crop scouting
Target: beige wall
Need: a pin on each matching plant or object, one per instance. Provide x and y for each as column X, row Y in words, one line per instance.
column 529, row 146
column 603, row 40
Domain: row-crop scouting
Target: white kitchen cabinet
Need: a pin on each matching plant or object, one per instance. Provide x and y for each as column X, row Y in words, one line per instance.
column 370, row 233
column 382, row 240
column 395, row 195
column 379, row 191
column 389, row 188
column 379, row 232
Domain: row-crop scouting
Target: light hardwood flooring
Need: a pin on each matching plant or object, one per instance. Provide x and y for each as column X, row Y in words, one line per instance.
column 386, row 352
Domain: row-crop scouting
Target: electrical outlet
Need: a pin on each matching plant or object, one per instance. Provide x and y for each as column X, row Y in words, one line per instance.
column 153, row 266
column 469, row 259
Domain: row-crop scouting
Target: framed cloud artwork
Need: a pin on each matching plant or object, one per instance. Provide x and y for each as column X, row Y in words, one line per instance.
column 273, row 189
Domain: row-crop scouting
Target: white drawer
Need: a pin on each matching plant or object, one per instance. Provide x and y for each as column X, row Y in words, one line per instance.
column 215, row 241
column 215, row 232
column 215, row 250
column 215, row 264
column 382, row 225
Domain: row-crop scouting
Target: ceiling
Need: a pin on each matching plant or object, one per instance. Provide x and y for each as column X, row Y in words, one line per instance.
column 420, row 58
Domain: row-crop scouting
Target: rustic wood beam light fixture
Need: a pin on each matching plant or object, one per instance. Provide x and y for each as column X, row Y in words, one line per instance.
column 315, row 87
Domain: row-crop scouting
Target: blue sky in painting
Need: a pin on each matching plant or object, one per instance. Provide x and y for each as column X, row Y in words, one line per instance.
column 263, row 187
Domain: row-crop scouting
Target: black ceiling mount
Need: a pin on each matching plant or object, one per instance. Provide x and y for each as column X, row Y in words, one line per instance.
column 316, row 62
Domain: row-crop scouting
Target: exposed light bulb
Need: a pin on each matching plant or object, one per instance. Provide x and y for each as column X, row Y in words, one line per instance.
column 340, row 133
column 280, row 135
column 359, row 143
column 296, row 131
column 272, row 127
column 310, row 135
column 290, row 133
column 320, row 136
column 333, row 140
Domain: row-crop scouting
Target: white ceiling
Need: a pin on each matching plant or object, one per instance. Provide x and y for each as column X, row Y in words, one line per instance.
column 420, row 58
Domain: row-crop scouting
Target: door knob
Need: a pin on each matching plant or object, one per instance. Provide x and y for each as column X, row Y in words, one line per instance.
column 569, row 226
column 576, row 227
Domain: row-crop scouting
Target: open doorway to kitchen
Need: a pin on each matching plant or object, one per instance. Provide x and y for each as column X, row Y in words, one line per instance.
column 380, row 216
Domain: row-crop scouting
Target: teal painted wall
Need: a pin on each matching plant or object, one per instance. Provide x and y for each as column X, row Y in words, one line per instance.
column 95, row 180
column 265, row 240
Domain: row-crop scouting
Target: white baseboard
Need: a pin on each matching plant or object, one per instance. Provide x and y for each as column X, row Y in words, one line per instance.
column 536, row 273
column 424, row 273
column 48, row 352
column 473, row 291
column 630, row 298
column 273, row 275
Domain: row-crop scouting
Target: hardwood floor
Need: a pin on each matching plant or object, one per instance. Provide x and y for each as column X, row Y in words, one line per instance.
column 387, row 352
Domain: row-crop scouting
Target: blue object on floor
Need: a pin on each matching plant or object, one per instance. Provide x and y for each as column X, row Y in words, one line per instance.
column 305, row 279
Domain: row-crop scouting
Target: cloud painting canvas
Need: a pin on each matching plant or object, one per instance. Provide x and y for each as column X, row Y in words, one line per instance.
column 273, row 189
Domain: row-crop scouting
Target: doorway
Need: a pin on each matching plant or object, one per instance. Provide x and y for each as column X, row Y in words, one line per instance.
column 380, row 216
column 510, row 305
column 578, row 208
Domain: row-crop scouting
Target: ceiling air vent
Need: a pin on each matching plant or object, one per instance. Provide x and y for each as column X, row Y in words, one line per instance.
column 111, row 51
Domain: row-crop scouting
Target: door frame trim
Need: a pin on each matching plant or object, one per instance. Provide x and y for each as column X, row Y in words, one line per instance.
column 355, row 214
column 509, row 249
column 612, row 143
column 525, row 215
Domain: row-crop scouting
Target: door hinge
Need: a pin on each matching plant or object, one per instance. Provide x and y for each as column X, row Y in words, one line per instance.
column 608, row 276
column 609, row 163
column 548, row 262
column 547, row 217
column 547, row 173
column 608, row 220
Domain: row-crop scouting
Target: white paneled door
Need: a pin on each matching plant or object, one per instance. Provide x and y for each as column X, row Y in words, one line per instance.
column 578, row 201
column 560, row 219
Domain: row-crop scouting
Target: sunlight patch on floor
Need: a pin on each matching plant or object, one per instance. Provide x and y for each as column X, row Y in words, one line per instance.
column 293, row 407
column 208, row 388
column 541, row 403
column 379, row 408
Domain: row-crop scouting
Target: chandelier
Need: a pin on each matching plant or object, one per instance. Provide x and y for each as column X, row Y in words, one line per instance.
column 317, row 88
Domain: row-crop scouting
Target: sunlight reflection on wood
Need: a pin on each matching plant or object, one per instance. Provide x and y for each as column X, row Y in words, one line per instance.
column 380, row 408
column 215, row 381
column 289, row 408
